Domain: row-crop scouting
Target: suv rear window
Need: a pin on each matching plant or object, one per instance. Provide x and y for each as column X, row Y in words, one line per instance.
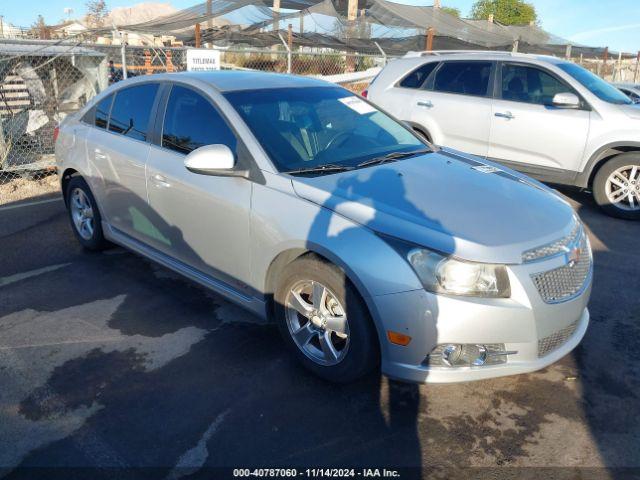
column 417, row 78
column 466, row 78
column 131, row 110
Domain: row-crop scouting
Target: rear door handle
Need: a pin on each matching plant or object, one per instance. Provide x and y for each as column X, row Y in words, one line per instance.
column 507, row 115
column 160, row 181
column 426, row 104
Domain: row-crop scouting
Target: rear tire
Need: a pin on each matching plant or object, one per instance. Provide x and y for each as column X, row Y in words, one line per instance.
column 616, row 186
column 336, row 314
column 84, row 215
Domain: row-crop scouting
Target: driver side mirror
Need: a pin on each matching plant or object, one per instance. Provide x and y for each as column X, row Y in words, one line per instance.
column 566, row 100
column 216, row 160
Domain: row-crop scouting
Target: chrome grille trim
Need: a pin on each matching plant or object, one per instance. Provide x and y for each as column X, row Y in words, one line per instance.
column 554, row 341
column 558, row 247
column 568, row 281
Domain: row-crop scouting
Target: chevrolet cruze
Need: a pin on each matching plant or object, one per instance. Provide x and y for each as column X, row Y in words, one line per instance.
column 368, row 247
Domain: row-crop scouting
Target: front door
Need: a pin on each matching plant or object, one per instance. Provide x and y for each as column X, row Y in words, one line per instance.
column 200, row 220
column 527, row 131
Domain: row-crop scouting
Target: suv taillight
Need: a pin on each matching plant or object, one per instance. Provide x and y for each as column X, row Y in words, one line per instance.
column 365, row 93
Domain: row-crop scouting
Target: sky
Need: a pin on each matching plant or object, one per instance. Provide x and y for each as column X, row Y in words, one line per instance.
column 612, row 23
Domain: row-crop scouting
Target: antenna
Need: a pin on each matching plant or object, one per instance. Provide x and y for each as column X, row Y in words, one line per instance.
column 68, row 11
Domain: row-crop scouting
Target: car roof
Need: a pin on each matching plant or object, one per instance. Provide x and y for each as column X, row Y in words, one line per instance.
column 482, row 55
column 233, row 80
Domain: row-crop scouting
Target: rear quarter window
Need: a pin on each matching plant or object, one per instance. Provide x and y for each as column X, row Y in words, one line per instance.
column 418, row 77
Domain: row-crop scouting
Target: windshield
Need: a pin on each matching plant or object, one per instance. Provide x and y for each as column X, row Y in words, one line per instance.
column 595, row 84
column 303, row 128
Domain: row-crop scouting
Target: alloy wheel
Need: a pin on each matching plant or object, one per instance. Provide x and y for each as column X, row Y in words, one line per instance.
column 317, row 322
column 623, row 188
column 82, row 213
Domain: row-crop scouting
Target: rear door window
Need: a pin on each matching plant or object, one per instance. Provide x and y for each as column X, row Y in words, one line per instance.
column 526, row 84
column 191, row 121
column 102, row 112
column 417, row 78
column 465, row 78
column 131, row 111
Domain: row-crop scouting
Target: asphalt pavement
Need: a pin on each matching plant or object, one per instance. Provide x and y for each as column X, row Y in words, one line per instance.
column 113, row 367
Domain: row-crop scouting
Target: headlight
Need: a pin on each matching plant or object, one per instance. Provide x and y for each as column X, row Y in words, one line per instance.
column 442, row 274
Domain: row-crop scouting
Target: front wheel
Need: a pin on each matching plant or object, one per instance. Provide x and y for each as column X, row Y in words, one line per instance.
column 325, row 322
column 616, row 186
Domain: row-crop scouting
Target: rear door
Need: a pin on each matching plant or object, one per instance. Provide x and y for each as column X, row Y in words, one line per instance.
column 200, row 220
column 455, row 105
column 527, row 131
column 119, row 148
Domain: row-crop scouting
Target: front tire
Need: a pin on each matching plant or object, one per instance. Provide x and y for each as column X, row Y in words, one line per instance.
column 84, row 215
column 325, row 322
column 616, row 186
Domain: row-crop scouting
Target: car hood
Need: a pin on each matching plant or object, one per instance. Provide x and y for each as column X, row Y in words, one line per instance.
column 632, row 111
column 447, row 201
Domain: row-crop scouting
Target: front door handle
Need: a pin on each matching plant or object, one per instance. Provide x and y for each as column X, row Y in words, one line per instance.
column 160, row 181
column 426, row 104
column 507, row 115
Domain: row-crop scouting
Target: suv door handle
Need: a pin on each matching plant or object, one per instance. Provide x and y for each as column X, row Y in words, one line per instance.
column 507, row 115
column 426, row 104
column 160, row 181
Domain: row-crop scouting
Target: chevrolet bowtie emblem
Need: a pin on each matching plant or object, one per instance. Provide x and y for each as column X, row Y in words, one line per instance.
column 573, row 256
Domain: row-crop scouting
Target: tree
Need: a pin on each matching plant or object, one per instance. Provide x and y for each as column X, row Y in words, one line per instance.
column 97, row 12
column 451, row 11
column 39, row 28
column 507, row 12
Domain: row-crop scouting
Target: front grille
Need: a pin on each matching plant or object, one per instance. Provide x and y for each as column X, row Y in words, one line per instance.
column 566, row 282
column 548, row 344
column 554, row 248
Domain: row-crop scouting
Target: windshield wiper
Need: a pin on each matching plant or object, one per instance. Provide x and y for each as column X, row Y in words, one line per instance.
column 390, row 157
column 328, row 168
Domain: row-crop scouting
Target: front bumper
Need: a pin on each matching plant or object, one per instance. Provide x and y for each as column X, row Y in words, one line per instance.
column 519, row 323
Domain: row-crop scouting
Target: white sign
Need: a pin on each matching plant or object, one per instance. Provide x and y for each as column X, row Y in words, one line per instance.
column 203, row 60
column 357, row 104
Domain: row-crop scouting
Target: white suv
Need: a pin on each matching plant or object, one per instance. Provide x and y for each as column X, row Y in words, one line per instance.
column 544, row 116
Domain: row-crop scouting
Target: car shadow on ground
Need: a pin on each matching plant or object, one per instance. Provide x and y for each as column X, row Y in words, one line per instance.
column 163, row 379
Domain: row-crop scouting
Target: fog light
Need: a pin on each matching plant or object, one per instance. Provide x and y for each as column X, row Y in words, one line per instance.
column 467, row 355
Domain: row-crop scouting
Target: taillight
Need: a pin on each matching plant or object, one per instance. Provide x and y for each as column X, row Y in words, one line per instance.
column 56, row 131
column 365, row 93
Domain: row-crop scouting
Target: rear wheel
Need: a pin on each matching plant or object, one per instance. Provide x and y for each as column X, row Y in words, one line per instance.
column 616, row 187
column 84, row 215
column 325, row 322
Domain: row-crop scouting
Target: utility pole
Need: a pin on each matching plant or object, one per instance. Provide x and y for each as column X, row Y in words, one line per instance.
column 429, row 40
column 635, row 74
column 276, row 15
column 197, row 35
column 436, row 3
column 123, row 53
column 352, row 15
column 290, row 46
column 1, row 26
column 567, row 54
column 209, row 13
column 301, row 22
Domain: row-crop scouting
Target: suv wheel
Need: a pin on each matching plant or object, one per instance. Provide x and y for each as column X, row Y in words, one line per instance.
column 616, row 187
column 325, row 322
column 84, row 215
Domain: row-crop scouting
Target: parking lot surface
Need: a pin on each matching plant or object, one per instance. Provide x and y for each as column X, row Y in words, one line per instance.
column 112, row 363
